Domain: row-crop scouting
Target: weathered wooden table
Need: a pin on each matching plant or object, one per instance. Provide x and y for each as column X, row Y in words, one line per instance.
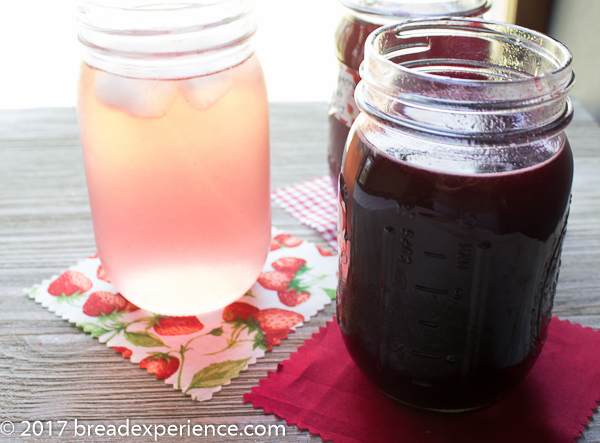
column 51, row 370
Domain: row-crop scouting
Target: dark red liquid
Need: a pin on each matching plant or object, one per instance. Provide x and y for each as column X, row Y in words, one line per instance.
column 447, row 281
column 350, row 37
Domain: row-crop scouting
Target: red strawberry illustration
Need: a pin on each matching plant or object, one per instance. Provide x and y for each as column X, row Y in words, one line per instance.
column 350, row 109
column 161, row 364
column 287, row 280
column 273, row 338
column 123, row 351
column 275, row 280
column 106, row 303
column 101, row 274
column 177, row 325
column 287, row 240
column 275, row 319
column 325, row 252
column 293, row 297
column 240, row 310
column 288, row 264
column 130, row 307
column 355, row 74
column 276, row 324
column 274, row 245
column 69, row 283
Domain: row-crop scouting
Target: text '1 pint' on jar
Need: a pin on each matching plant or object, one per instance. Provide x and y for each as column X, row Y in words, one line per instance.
column 360, row 18
column 173, row 117
column 454, row 196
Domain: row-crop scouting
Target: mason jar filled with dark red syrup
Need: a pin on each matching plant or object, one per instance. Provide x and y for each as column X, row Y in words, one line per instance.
column 359, row 19
column 453, row 199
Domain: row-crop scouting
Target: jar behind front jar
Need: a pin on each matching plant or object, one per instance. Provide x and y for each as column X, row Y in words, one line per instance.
column 173, row 117
column 360, row 18
column 454, row 197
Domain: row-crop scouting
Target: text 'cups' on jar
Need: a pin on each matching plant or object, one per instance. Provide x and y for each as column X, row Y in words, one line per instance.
column 173, row 117
column 360, row 18
column 454, row 196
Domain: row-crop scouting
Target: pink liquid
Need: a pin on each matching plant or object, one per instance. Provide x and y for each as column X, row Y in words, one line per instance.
column 178, row 179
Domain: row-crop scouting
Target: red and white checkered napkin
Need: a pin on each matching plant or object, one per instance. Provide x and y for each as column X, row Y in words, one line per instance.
column 313, row 203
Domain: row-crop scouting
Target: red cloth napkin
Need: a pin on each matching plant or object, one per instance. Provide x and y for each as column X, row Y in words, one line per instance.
column 320, row 389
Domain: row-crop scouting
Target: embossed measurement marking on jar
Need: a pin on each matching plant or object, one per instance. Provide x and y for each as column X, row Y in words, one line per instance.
column 434, row 255
column 406, row 245
column 429, row 323
column 431, row 290
column 458, row 256
column 425, row 354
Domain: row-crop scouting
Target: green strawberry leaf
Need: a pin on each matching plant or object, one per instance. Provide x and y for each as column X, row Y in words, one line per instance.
column 303, row 285
column 145, row 339
column 93, row 328
column 217, row 374
column 112, row 317
column 32, row 293
column 152, row 321
column 70, row 299
column 252, row 325
column 159, row 355
column 260, row 342
column 331, row 293
column 303, row 269
column 298, row 285
column 217, row 332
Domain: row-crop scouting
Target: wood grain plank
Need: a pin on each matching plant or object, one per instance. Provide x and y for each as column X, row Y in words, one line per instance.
column 50, row 370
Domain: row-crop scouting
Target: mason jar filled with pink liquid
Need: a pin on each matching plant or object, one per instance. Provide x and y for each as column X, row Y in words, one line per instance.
column 173, row 117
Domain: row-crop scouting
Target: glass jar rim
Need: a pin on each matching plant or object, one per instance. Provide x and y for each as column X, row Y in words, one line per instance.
column 145, row 6
column 166, row 39
column 419, row 8
column 506, row 82
column 515, row 34
column 114, row 16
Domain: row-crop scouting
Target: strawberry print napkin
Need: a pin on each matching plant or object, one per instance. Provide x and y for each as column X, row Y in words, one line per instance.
column 199, row 354
column 313, row 203
column 319, row 388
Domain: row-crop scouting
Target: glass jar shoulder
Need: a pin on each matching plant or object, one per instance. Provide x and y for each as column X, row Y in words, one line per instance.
column 107, row 102
column 350, row 37
column 531, row 200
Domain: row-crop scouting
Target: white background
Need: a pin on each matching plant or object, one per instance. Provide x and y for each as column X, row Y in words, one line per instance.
column 40, row 54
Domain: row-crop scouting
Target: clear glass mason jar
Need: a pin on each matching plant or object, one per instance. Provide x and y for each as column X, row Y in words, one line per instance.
column 454, row 197
column 360, row 18
column 173, row 116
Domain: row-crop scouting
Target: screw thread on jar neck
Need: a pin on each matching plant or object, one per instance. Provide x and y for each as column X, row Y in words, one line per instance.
column 166, row 40
column 467, row 79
